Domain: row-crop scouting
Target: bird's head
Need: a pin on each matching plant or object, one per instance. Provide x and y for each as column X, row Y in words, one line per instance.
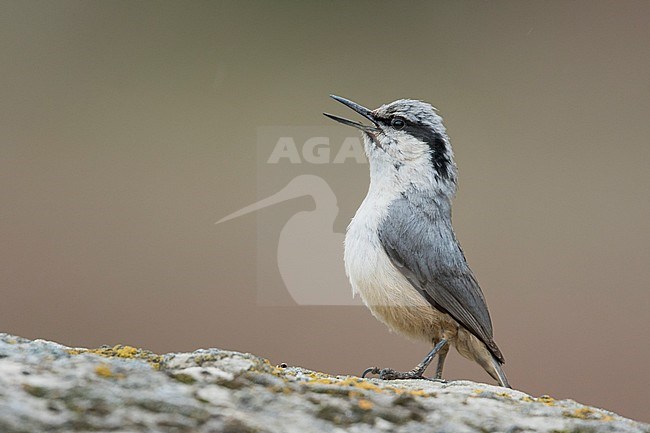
column 405, row 136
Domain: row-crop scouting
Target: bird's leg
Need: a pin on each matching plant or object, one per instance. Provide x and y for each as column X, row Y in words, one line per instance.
column 441, row 361
column 416, row 373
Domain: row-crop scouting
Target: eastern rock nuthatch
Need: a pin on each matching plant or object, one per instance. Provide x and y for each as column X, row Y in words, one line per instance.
column 401, row 253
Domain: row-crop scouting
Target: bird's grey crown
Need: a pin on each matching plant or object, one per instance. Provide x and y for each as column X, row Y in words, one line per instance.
column 417, row 112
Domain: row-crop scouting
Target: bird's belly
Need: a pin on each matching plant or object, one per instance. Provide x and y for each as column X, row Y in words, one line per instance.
column 389, row 295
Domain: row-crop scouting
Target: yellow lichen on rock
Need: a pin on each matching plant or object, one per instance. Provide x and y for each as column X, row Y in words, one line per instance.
column 125, row 351
column 121, row 351
column 546, row 399
column 103, row 370
column 359, row 383
column 583, row 413
column 422, row 393
column 365, row 404
column 587, row 413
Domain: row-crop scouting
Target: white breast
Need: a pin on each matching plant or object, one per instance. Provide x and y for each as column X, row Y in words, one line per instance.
column 382, row 287
column 371, row 273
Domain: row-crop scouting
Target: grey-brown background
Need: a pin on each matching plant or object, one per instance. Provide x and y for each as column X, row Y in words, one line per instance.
column 129, row 128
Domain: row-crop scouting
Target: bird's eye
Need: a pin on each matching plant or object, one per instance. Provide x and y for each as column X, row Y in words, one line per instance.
column 397, row 123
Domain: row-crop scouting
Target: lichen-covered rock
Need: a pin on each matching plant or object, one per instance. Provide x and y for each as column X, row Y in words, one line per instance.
column 48, row 387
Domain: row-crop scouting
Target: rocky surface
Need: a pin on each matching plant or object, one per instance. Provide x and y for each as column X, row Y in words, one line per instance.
column 48, row 387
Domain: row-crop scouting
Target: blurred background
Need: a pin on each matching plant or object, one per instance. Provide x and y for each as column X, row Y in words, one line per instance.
column 128, row 128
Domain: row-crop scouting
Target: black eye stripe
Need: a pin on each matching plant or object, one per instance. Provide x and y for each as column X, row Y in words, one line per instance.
column 407, row 122
column 432, row 138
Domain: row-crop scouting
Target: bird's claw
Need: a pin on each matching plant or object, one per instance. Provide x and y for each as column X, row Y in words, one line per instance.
column 390, row 374
column 370, row 370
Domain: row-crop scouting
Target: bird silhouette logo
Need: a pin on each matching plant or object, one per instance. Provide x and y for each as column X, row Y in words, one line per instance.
column 310, row 252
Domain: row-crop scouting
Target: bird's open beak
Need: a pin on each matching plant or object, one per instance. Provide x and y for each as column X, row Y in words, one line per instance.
column 359, row 109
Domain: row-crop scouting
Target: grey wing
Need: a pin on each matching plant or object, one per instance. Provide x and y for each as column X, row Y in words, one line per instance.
column 422, row 245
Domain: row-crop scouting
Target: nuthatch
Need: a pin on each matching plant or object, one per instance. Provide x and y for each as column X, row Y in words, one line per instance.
column 401, row 253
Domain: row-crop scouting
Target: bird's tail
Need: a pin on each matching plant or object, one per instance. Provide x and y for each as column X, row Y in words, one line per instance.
column 491, row 360
column 497, row 372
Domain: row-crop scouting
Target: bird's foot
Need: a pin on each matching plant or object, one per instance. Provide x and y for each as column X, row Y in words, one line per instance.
column 390, row 374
